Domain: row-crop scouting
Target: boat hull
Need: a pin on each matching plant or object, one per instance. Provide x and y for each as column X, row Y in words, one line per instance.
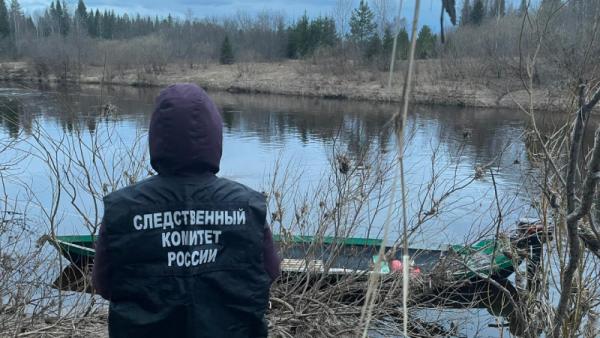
column 335, row 257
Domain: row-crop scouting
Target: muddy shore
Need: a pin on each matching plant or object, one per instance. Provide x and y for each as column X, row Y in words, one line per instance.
column 301, row 78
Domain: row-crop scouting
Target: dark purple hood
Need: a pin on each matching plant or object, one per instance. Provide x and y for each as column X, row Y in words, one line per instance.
column 186, row 132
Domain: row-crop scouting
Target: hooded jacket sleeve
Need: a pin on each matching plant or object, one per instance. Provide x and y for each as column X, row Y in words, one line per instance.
column 102, row 267
column 272, row 260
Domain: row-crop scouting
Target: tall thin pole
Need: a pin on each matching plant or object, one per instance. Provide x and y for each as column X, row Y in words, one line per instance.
column 399, row 127
column 405, row 100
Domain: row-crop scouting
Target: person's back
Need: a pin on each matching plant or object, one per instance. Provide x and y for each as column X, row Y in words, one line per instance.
column 183, row 254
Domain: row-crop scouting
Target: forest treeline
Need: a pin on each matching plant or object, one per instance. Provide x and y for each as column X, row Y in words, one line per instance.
column 63, row 41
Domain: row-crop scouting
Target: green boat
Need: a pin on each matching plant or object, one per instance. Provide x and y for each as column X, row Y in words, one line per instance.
column 458, row 276
column 488, row 258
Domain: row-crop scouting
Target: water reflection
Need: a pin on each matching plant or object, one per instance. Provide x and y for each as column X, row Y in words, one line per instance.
column 360, row 126
column 10, row 119
column 260, row 128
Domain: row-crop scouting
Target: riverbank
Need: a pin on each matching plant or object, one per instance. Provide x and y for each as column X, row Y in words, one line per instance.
column 302, row 78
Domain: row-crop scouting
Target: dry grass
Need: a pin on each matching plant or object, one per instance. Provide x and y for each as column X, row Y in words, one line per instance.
column 329, row 78
column 91, row 326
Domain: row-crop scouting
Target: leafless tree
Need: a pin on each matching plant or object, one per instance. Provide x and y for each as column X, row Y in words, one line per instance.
column 569, row 163
column 342, row 12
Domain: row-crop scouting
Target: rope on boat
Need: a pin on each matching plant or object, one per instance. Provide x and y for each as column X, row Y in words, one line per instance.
column 367, row 310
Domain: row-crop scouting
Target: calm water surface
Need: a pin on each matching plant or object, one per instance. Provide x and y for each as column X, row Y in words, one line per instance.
column 259, row 130
column 299, row 133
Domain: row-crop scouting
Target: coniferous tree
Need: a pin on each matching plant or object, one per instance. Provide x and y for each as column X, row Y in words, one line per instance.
column 299, row 38
column 4, row 22
column 94, row 23
column 54, row 17
column 425, row 43
column 58, row 15
column 387, row 42
column 362, row 27
column 61, row 17
column 373, row 47
column 305, row 37
column 169, row 21
column 465, row 13
column 16, row 20
column 321, row 32
column 403, row 44
column 52, row 11
column 15, row 13
column 81, row 13
column 330, row 37
column 107, row 25
column 226, row 57
column 478, row 12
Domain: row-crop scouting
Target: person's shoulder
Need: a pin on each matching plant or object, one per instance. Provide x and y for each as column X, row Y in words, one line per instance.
column 232, row 190
column 228, row 191
column 129, row 191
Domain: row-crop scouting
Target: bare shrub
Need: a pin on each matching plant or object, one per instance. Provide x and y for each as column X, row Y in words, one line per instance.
column 83, row 165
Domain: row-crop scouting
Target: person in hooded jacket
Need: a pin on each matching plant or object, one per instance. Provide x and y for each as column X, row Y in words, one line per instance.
column 185, row 253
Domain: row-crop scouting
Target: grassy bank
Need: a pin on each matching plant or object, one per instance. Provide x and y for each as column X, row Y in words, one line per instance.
column 327, row 79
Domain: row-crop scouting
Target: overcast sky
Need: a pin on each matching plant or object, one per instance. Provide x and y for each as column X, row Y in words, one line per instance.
column 429, row 14
column 430, row 9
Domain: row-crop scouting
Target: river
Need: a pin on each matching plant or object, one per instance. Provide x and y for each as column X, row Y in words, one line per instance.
column 263, row 132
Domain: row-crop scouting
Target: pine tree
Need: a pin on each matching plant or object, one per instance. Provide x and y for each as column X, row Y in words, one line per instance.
column 107, row 25
column 169, row 21
column 226, row 57
column 305, row 37
column 425, row 43
column 373, row 47
column 81, row 13
column 90, row 23
column 16, row 17
column 94, row 23
column 465, row 13
column 362, row 27
column 15, row 10
column 329, row 35
column 387, row 43
column 403, row 44
column 61, row 16
column 4, row 22
column 299, row 36
column 478, row 12
column 321, row 33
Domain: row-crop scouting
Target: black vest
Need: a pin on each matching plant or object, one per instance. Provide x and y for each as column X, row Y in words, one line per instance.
column 187, row 258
